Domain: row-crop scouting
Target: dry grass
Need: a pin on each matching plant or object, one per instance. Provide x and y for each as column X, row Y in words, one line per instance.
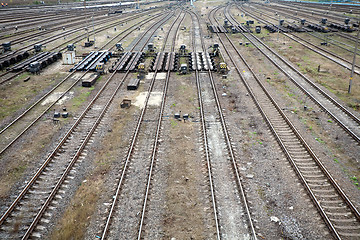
column 12, row 171
column 16, row 94
column 83, row 205
column 332, row 76
column 80, row 210
column 184, row 211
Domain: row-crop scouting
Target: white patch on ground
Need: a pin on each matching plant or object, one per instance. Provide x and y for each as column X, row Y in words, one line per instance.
column 149, row 76
column 160, row 76
column 154, row 100
column 55, row 96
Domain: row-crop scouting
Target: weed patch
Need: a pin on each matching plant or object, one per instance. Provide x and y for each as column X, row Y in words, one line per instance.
column 173, row 123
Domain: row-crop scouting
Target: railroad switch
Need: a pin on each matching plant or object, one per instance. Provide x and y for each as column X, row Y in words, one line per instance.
column 119, row 46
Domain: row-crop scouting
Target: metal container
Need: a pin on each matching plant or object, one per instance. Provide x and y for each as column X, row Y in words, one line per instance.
column 68, row 57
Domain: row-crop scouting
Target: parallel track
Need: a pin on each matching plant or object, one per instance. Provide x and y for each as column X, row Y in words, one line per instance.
column 10, row 136
column 215, row 163
column 346, row 119
column 338, row 212
column 134, row 152
column 319, row 50
column 46, row 182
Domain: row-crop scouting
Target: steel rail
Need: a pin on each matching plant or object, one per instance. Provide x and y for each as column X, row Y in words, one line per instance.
column 229, row 146
column 158, row 127
column 100, row 29
column 319, row 162
column 11, row 77
column 332, row 40
column 52, row 90
column 80, row 38
column 339, row 17
column 20, row 38
column 59, row 23
column 33, row 105
column 322, row 92
column 72, row 31
column 309, row 81
column 140, row 23
column 79, row 151
column 63, row 140
column 39, row 116
column 206, row 146
column 129, row 154
column 4, row 73
column 313, row 47
column 350, row 37
column 282, row 145
column 311, row 34
column 231, row 151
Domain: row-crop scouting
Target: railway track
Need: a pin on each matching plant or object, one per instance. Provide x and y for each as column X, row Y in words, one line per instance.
column 346, row 119
column 14, row 130
column 9, row 76
column 140, row 173
column 79, row 25
column 292, row 14
column 326, row 53
column 336, row 209
column 48, row 23
column 319, row 10
column 74, row 31
column 230, row 206
column 24, row 214
column 42, row 26
column 143, row 220
column 349, row 47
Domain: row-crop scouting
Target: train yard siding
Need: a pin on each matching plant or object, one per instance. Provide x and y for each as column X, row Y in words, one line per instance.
column 172, row 121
